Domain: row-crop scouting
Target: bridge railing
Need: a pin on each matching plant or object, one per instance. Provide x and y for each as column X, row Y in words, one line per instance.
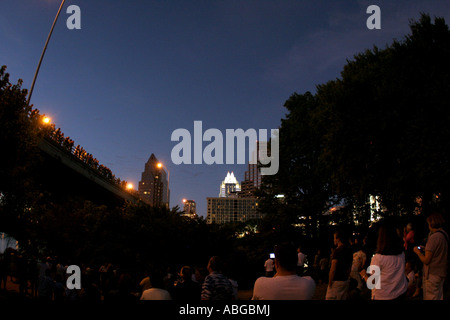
column 66, row 144
column 65, row 157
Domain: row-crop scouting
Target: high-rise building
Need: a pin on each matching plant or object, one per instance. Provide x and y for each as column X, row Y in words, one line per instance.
column 228, row 207
column 189, row 209
column 229, row 186
column 153, row 187
column 247, row 189
column 252, row 177
column 253, row 174
column 227, row 210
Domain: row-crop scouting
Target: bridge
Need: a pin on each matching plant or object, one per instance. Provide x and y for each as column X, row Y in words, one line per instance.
column 64, row 174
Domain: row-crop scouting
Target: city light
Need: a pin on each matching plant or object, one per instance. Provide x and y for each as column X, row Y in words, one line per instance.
column 129, row 186
column 159, row 165
column 184, row 200
column 46, row 120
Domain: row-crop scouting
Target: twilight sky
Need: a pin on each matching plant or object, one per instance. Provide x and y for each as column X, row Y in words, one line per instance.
column 138, row 70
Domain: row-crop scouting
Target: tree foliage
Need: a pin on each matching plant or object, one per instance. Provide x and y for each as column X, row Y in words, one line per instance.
column 381, row 129
column 19, row 136
column 389, row 118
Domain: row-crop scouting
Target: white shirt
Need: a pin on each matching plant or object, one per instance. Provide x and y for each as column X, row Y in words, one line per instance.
column 156, row 294
column 269, row 265
column 290, row 287
column 301, row 259
column 393, row 281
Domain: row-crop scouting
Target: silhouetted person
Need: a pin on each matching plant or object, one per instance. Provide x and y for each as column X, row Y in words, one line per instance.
column 434, row 258
column 286, row 284
column 185, row 288
column 216, row 285
column 45, row 289
column 157, row 291
column 3, row 270
column 341, row 262
column 58, row 288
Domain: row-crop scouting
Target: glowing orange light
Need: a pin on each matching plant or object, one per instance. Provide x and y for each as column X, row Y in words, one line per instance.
column 129, row 186
column 46, row 120
column 184, row 200
column 159, row 165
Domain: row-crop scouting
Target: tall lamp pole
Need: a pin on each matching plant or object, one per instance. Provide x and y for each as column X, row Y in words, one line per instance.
column 43, row 52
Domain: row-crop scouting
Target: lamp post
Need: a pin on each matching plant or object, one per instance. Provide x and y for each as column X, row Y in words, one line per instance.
column 43, row 52
column 159, row 165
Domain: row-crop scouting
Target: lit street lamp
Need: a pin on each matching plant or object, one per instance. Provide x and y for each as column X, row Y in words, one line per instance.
column 46, row 120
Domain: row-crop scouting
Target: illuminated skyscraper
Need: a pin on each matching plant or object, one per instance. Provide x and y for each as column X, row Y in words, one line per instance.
column 228, row 207
column 229, row 187
column 153, row 187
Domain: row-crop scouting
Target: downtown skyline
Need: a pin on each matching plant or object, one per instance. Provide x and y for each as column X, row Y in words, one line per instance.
column 136, row 71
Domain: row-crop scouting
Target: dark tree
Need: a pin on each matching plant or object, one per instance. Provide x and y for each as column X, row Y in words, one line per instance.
column 389, row 120
column 19, row 136
column 382, row 130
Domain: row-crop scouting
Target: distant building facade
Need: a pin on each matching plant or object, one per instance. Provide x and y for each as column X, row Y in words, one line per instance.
column 153, row 188
column 252, row 177
column 232, row 209
column 247, row 189
column 253, row 174
column 190, row 209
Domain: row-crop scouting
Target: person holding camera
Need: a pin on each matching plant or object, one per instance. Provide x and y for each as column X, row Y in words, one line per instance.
column 434, row 258
column 269, row 266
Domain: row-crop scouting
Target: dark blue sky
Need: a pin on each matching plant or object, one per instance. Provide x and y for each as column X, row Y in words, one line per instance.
column 138, row 70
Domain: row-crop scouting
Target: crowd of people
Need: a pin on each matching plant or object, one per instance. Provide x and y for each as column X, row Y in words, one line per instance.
column 46, row 279
column 67, row 144
column 397, row 267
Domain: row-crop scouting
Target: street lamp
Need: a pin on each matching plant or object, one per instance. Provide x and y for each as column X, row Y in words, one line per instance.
column 43, row 52
column 129, row 186
column 159, row 165
column 46, row 120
